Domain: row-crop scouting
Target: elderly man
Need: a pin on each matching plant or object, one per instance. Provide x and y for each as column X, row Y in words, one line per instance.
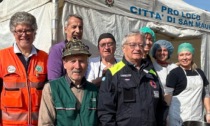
column 71, row 99
column 98, row 65
column 130, row 94
column 73, row 29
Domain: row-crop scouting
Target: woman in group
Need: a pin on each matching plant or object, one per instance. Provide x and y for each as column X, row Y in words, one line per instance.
column 150, row 38
column 186, row 89
column 23, row 74
column 161, row 51
column 149, row 35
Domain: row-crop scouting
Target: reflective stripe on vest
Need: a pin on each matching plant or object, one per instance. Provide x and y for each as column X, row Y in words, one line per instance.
column 19, row 116
column 15, row 85
column 62, row 108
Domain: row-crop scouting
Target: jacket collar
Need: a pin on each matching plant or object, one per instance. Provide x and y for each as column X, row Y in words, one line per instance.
column 71, row 84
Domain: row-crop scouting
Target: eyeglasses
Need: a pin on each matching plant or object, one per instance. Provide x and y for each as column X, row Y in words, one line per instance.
column 27, row 32
column 134, row 45
column 110, row 44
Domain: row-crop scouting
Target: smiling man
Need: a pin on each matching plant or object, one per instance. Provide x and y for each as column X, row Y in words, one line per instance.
column 130, row 94
column 71, row 99
column 98, row 65
column 73, row 29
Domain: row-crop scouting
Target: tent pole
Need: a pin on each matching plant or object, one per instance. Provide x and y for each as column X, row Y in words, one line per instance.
column 54, row 25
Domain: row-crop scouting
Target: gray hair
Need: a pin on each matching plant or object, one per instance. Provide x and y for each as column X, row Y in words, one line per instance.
column 66, row 23
column 133, row 33
column 22, row 18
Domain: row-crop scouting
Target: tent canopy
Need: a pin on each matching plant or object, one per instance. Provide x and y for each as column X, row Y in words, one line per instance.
column 174, row 21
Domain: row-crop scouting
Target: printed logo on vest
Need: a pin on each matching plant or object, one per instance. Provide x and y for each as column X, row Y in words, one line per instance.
column 103, row 79
column 156, row 94
column 93, row 99
column 153, row 84
column 38, row 68
column 11, row 69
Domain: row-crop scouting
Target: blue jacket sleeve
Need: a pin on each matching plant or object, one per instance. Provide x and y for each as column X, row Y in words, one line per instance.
column 107, row 101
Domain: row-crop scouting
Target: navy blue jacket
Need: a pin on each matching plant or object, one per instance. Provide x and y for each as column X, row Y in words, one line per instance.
column 131, row 97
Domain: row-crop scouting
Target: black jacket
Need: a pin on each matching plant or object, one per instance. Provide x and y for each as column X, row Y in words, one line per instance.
column 131, row 97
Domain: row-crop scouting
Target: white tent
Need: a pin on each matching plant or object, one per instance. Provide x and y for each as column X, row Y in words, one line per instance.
column 177, row 22
column 41, row 9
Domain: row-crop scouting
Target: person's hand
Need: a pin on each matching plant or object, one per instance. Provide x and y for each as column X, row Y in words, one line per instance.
column 208, row 117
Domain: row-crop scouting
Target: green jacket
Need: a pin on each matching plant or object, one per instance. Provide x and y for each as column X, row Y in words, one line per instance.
column 65, row 104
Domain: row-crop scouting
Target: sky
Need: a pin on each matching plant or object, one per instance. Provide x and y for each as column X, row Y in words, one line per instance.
column 203, row 4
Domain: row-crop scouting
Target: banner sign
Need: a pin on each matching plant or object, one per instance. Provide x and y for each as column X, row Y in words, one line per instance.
column 170, row 15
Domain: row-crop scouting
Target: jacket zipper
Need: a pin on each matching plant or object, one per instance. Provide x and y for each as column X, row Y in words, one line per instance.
column 29, row 97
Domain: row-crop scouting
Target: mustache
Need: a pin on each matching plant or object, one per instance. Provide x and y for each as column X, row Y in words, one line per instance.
column 76, row 71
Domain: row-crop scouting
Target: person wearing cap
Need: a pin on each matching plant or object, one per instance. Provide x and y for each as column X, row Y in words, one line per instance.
column 149, row 36
column 70, row 99
column 161, row 51
column 130, row 94
column 73, row 28
column 98, row 65
column 187, row 89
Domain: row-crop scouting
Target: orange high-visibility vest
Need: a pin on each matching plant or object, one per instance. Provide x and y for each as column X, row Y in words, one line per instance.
column 21, row 90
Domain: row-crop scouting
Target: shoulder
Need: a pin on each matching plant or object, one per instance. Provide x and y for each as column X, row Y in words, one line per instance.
column 94, row 59
column 117, row 67
column 6, row 49
column 200, row 72
column 91, row 86
column 177, row 70
column 43, row 53
column 58, row 46
column 118, row 59
column 172, row 66
column 46, row 87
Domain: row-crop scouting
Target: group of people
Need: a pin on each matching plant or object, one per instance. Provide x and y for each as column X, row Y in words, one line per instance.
column 67, row 87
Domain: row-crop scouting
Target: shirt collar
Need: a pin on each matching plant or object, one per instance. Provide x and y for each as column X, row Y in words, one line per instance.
column 71, row 84
column 17, row 50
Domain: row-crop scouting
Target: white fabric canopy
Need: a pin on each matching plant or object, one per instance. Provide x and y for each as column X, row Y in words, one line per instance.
column 41, row 9
column 174, row 21
column 177, row 22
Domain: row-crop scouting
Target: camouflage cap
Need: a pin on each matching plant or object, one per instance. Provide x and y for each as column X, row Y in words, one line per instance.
column 75, row 47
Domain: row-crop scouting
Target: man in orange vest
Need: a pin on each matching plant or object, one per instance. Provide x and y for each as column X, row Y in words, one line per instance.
column 23, row 74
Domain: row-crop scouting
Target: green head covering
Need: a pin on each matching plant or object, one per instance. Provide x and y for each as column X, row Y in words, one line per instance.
column 145, row 30
column 186, row 47
column 75, row 47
